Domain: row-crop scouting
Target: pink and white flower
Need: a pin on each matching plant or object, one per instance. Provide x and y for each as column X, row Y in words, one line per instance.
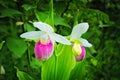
column 46, row 37
column 79, row 43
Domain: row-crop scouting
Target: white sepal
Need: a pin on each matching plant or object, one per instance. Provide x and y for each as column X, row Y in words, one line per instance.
column 43, row 26
column 85, row 43
column 78, row 30
column 32, row 34
column 59, row 38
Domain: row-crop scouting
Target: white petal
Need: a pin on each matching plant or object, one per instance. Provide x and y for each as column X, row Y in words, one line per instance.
column 85, row 43
column 59, row 38
column 32, row 34
column 78, row 30
column 43, row 26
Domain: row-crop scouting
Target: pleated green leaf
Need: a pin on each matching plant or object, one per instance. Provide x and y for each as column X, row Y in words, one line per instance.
column 59, row 67
column 78, row 73
column 48, row 69
column 65, row 64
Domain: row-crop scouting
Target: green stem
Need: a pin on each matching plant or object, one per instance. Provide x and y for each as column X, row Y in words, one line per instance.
column 28, row 54
column 76, row 17
column 51, row 13
column 56, row 63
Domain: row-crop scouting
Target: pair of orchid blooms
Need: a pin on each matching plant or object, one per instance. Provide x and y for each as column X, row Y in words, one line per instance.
column 46, row 37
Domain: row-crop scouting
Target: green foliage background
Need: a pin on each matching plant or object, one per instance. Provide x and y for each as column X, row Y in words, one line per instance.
column 17, row 56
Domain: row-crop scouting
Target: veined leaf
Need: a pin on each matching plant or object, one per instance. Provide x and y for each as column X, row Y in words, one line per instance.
column 48, row 69
column 59, row 67
column 65, row 63
column 78, row 72
column 59, row 50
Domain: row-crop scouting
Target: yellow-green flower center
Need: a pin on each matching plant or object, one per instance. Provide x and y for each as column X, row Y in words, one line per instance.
column 45, row 40
column 76, row 41
column 76, row 49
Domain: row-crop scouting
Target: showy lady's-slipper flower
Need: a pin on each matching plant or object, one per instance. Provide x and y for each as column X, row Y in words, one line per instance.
column 45, row 45
column 79, row 43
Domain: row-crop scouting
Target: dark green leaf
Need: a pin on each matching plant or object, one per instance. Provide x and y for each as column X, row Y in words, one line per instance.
column 60, row 21
column 35, row 63
column 9, row 12
column 41, row 16
column 1, row 44
column 27, row 6
column 23, row 76
column 17, row 46
column 29, row 27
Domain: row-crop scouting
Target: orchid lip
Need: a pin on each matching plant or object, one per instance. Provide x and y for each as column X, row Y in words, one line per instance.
column 43, row 51
column 82, row 55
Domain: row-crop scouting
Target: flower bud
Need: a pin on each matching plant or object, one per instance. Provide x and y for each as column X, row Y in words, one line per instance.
column 43, row 51
column 82, row 55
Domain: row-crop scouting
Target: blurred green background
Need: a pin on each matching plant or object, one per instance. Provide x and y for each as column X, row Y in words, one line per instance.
column 102, row 60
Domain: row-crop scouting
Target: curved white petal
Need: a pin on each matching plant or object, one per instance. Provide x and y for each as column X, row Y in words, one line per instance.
column 32, row 34
column 43, row 26
column 59, row 38
column 78, row 30
column 85, row 43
